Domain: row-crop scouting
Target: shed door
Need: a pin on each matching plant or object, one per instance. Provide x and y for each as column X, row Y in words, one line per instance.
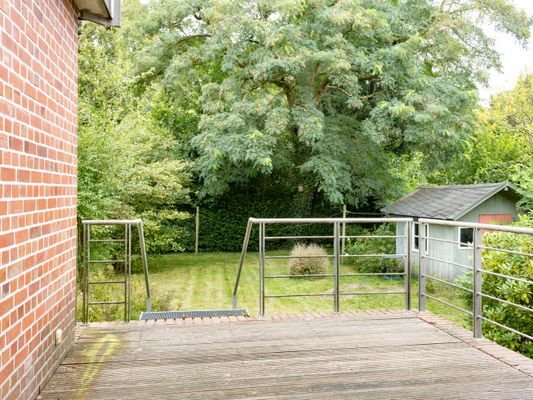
column 495, row 218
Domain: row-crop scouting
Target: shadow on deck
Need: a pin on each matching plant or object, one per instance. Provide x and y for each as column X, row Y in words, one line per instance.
column 357, row 355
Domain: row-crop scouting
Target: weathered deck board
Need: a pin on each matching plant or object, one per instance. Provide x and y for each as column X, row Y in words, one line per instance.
column 346, row 357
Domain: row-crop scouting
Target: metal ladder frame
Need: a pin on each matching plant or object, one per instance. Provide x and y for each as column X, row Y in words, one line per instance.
column 86, row 265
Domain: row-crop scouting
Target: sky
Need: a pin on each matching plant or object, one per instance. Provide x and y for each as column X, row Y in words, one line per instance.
column 515, row 59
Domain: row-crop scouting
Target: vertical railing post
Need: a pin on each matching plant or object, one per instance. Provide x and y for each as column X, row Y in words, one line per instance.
column 84, row 272
column 422, row 266
column 87, row 274
column 336, row 267
column 125, row 272
column 129, row 272
column 407, row 264
column 241, row 261
column 343, row 247
column 262, row 269
column 142, row 246
column 477, row 283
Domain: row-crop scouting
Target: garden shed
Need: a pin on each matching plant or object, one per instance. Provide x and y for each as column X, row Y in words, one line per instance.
column 489, row 203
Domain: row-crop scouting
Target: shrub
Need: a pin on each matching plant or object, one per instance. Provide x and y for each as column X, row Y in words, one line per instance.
column 308, row 265
column 372, row 246
column 507, row 289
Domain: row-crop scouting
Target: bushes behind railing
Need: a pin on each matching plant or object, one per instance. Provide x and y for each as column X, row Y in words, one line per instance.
column 515, row 265
column 355, row 246
column 313, row 259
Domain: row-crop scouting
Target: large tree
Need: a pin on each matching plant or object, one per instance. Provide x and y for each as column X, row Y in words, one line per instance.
column 128, row 164
column 329, row 91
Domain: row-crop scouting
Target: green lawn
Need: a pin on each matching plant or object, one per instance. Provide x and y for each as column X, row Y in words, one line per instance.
column 205, row 281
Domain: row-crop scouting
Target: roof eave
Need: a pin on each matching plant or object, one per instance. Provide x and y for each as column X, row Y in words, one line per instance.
column 103, row 12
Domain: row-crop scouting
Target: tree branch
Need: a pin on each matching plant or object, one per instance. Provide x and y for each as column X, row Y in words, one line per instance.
column 288, row 92
column 199, row 35
column 321, row 89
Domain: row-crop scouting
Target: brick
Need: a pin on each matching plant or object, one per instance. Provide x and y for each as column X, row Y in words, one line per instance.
column 7, row 239
column 37, row 142
column 8, row 174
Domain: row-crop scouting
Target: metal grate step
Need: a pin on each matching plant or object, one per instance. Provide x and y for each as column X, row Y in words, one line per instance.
column 156, row 315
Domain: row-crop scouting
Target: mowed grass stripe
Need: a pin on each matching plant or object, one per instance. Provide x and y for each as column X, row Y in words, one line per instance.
column 187, row 281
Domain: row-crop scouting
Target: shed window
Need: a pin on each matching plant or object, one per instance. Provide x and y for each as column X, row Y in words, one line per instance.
column 466, row 238
column 416, row 237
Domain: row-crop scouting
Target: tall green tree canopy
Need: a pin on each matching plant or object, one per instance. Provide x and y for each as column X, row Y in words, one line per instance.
column 501, row 148
column 128, row 164
column 331, row 91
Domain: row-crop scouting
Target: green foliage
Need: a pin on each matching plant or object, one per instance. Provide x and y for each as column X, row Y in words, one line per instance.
column 501, row 149
column 330, row 92
column 128, row 164
column 313, row 259
column 356, row 246
column 223, row 221
column 507, row 289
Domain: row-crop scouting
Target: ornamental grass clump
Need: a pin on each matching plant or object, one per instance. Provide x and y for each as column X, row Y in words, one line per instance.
column 312, row 261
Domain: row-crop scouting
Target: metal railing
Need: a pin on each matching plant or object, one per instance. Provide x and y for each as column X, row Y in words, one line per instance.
column 336, row 274
column 88, row 261
column 402, row 252
column 477, row 269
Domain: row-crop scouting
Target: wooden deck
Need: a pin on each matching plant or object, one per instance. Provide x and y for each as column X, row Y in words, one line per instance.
column 368, row 355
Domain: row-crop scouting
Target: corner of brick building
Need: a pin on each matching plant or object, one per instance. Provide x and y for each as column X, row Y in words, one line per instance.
column 38, row 164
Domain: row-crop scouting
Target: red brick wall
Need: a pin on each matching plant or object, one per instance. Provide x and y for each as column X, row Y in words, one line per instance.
column 38, row 119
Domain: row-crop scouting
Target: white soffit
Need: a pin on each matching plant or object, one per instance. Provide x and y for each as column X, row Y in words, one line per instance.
column 104, row 12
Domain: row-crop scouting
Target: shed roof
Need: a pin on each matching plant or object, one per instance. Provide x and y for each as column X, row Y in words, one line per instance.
column 446, row 202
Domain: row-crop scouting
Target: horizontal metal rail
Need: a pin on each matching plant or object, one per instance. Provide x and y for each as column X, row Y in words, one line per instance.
column 274, row 296
column 299, row 276
column 447, row 241
column 327, row 220
column 448, row 283
column 506, row 327
column 296, row 237
column 96, row 303
column 107, row 240
column 506, row 302
column 105, row 261
column 506, row 276
column 518, row 253
column 374, row 274
column 289, row 257
column 448, row 304
column 372, row 237
column 374, row 255
column 447, row 262
column 331, row 275
column 112, row 222
column 371, row 293
column 485, row 227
